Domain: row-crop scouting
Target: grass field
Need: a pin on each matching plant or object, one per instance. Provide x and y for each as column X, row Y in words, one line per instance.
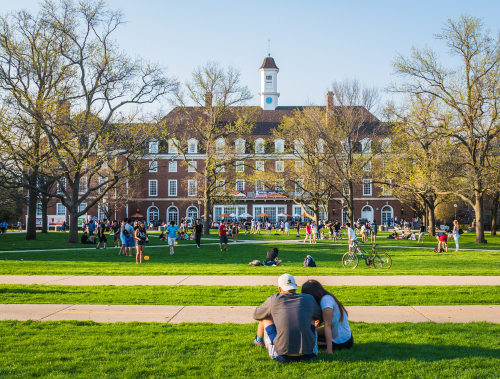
column 209, row 260
column 150, row 350
column 226, row 295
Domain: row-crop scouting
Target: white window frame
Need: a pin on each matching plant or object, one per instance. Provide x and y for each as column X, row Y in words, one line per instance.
column 279, row 146
column 220, row 169
column 269, row 81
column 83, row 184
column 260, row 146
column 387, row 188
column 279, row 166
column 367, row 182
column 38, row 209
column 298, row 147
column 155, row 192
column 366, row 146
column 240, row 166
column 220, row 185
column 299, row 166
column 259, row 185
column 153, row 166
column 59, row 187
column 172, row 146
column 81, row 207
column 321, row 146
column 172, row 166
column 220, row 146
column 192, row 165
column 60, row 206
column 367, row 167
column 171, row 192
column 192, row 146
column 239, row 146
column 153, row 147
column 280, row 185
column 240, row 184
column 259, row 166
column 298, row 184
column 192, row 187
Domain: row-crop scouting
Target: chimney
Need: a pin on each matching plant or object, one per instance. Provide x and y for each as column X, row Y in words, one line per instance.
column 329, row 101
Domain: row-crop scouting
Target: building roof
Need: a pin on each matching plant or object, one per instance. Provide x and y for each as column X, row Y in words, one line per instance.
column 269, row 63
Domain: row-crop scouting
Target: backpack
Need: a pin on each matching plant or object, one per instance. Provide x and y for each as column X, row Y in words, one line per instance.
column 309, row 262
column 125, row 232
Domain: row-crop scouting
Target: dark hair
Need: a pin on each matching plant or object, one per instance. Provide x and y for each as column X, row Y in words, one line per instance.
column 172, row 223
column 316, row 290
column 275, row 250
column 348, row 224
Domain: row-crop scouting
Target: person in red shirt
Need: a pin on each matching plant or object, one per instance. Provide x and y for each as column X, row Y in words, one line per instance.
column 223, row 235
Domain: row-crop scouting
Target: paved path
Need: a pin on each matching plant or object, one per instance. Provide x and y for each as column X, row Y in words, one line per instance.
column 250, row 280
column 240, row 315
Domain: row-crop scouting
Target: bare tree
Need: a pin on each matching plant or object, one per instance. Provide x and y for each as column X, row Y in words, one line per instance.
column 215, row 122
column 468, row 97
column 67, row 87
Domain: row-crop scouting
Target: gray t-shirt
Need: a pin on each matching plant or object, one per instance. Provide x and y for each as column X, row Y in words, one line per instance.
column 292, row 314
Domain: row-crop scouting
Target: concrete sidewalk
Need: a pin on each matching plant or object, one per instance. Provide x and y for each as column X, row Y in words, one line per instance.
column 239, row 315
column 250, row 280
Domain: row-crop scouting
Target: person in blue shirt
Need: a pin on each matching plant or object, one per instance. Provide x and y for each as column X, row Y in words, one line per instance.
column 3, row 227
column 172, row 234
column 91, row 227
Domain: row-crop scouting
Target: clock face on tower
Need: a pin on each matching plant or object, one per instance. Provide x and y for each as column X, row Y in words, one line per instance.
column 269, row 100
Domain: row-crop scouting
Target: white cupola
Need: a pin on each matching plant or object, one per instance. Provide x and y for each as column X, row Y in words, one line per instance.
column 268, row 85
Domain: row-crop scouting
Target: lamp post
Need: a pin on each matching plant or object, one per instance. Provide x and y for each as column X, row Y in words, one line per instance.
column 455, row 205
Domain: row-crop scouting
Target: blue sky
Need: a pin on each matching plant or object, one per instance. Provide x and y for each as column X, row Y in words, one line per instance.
column 313, row 42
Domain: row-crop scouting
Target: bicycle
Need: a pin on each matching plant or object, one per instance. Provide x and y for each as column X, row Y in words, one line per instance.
column 378, row 260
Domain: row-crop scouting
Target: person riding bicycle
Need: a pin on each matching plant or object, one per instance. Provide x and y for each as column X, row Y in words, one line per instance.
column 353, row 241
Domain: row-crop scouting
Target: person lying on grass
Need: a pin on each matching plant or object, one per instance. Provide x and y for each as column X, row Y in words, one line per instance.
column 272, row 258
column 286, row 323
column 336, row 333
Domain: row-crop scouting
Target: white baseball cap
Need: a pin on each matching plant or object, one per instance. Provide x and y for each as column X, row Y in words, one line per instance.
column 287, row 282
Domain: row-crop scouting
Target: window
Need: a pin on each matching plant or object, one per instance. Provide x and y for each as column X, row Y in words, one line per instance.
column 280, row 185
column 220, row 169
column 101, row 182
column 153, row 188
column 240, row 184
column 299, row 166
column 192, row 146
column 259, row 146
column 192, row 166
column 259, row 185
column 346, row 188
column 192, row 212
column 240, row 146
column 299, row 189
column 220, row 184
column 153, row 214
column 367, row 167
column 61, row 186
column 38, row 209
column 82, row 207
column 259, row 166
column 321, row 146
column 279, row 146
column 153, row 147
column 172, row 166
column 82, row 186
column 385, row 145
column 153, row 166
column 240, row 166
column 173, row 215
column 386, row 188
column 219, row 146
column 298, row 147
column 192, row 187
column 101, row 215
column 172, row 146
column 366, row 146
column 172, row 188
column 279, row 166
column 269, row 81
column 367, row 187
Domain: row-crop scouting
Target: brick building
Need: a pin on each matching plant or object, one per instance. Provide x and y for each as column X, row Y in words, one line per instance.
column 169, row 190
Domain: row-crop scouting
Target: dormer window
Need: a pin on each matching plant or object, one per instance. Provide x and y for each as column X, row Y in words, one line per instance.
column 366, row 146
column 269, row 81
column 192, row 146
column 279, row 146
column 153, row 147
column 219, row 146
column 240, row 146
column 259, row 146
column 172, row 146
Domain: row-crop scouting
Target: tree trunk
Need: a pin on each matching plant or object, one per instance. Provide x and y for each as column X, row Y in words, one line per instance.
column 45, row 201
column 432, row 219
column 478, row 207
column 73, row 227
column 206, row 218
column 494, row 211
column 32, row 197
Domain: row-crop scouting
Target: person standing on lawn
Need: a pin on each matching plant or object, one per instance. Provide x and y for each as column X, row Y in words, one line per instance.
column 116, row 234
column 456, row 234
column 101, row 233
column 129, row 239
column 286, row 327
column 198, row 229
column 19, row 226
column 352, row 240
column 373, row 230
column 421, row 234
column 172, row 230
column 91, row 227
column 336, row 233
column 234, row 231
column 140, row 237
column 287, row 228
column 308, row 232
column 223, row 235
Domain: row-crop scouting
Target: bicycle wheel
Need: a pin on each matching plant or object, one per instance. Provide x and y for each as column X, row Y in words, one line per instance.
column 350, row 260
column 382, row 260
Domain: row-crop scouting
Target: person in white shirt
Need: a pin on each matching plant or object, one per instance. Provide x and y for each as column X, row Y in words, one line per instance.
column 336, row 333
column 363, row 233
column 351, row 236
column 287, row 228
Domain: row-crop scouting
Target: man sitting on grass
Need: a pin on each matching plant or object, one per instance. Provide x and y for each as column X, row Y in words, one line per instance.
column 86, row 240
column 286, row 326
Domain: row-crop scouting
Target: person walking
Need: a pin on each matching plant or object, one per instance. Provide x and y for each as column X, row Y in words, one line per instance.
column 421, row 234
column 352, row 240
column 456, row 234
column 198, row 229
column 308, row 232
column 141, row 238
column 172, row 230
column 223, row 235
column 314, row 233
column 101, row 233
column 336, row 233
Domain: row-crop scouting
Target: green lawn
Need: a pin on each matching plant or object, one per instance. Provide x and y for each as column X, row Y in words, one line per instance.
column 208, row 260
column 246, row 295
column 152, row 350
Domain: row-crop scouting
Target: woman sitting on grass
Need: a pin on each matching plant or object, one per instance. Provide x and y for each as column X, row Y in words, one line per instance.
column 336, row 332
column 163, row 237
column 272, row 258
